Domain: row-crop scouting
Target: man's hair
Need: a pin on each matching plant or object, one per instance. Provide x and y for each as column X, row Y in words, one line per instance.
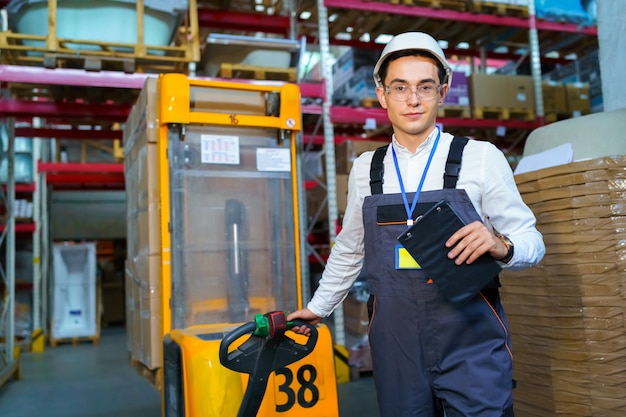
column 382, row 71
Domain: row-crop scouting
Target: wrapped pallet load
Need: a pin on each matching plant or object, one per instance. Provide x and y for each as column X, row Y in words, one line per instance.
column 567, row 315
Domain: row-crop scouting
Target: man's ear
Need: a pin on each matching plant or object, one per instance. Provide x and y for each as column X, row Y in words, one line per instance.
column 443, row 93
column 382, row 99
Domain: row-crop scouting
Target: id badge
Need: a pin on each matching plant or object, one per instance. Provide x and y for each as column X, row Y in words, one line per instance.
column 404, row 260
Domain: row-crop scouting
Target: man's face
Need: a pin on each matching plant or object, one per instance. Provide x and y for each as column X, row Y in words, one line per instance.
column 416, row 114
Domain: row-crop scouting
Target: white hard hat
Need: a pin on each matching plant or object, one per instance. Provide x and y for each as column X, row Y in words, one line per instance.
column 413, row 40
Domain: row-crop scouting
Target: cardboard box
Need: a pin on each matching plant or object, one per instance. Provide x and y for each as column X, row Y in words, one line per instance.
column 501, row 91
column 578, row 102
column 143, row 311
column 113, row 302
column 458, row 93
column 342, row 193
column 486, row 90
column 568, row 312
column 355, row 315
column 347, row 151
column 520, row 92
column 554, row 98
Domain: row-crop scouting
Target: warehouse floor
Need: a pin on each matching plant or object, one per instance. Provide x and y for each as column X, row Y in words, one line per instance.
column 89, row 380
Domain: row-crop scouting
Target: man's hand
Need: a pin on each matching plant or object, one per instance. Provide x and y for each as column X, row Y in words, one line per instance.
column 472, row 241
column 306, row 315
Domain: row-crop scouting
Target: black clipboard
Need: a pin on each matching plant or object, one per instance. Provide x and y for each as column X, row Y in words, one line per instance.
column 425, row 240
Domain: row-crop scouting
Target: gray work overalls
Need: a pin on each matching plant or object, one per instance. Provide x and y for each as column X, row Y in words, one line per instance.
column 427, row 353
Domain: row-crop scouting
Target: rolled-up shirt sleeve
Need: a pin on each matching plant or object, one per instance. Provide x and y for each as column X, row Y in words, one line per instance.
column 503, row 207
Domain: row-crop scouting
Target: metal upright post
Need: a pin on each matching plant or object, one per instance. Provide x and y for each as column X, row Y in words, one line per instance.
column 45, row 248
column 329, row 148
column 38, row 338
column 9, row 361
column 535, row 60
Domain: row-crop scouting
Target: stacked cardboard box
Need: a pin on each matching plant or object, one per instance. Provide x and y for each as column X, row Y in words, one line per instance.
column 567, row 314
column 143, row 265
column 502, row 93
column 356, row 322
column 578, row 99
column 554, row 98
column 349, row 150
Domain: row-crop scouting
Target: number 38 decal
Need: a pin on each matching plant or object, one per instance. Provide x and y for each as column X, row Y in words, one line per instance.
column 304, row 392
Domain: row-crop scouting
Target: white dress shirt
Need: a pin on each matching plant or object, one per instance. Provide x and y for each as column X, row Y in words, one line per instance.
column 485, row 175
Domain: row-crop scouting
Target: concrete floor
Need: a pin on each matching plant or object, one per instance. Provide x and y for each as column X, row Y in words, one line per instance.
column 89, row 380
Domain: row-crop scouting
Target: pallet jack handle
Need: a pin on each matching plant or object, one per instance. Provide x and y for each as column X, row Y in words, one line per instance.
column 266, row 350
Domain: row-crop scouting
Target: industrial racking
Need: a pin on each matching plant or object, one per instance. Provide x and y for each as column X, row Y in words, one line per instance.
column 43, row 92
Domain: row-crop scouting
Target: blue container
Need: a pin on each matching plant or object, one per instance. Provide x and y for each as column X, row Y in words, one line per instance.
column 570, row 11
column 23, row 168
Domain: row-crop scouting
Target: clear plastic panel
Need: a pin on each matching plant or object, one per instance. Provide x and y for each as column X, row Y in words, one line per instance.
column 233, row 244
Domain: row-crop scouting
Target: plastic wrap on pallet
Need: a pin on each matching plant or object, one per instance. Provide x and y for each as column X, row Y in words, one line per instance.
column 168, row 6
column 591, row 9
column 358, row 87
column 570, row 11
column 95, row 20
column 349, row 62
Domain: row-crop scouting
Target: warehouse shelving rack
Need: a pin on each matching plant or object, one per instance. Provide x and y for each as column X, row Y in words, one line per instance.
column 454, row 25
column 51, row 51
column 550, row 36
column 9, row 360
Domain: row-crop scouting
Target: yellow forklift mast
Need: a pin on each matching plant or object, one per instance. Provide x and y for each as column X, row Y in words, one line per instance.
column 231, row 249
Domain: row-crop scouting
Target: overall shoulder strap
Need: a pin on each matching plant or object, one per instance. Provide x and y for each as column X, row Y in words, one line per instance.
column 377, row 170
column 453, row 163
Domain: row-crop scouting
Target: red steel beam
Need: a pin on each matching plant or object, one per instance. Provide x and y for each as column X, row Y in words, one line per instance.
column 79, row 167
column 113, row 79
column 453, row 15
column 22, row 188
column 313, row 90
column 319, row 139
column 83, row 175
column 501, row 56
column 246, row 21
column 92, row 111
column 21, row 227
column 62, row 133
column 70, row 76
column 344, row 114
column 72, row 179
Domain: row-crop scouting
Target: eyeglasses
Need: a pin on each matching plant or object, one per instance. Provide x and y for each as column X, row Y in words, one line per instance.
column 402, row 92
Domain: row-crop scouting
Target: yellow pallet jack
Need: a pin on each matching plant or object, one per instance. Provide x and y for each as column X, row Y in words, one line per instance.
column 269, row 350
column 230, row 250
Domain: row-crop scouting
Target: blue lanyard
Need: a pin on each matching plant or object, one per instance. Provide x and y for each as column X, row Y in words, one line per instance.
column 409, row 210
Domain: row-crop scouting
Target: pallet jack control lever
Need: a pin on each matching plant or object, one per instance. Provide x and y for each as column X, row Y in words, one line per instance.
column 266, row 350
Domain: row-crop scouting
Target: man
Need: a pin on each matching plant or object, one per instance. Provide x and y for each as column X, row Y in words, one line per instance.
column 430, row 355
